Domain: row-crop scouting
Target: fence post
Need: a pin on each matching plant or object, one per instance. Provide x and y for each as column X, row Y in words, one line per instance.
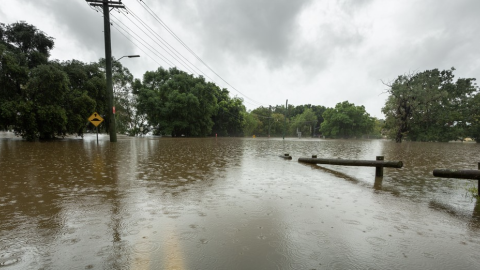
column 379, row 169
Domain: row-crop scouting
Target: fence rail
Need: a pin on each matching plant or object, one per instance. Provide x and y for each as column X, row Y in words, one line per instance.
column 460, row 174
column 379, row 163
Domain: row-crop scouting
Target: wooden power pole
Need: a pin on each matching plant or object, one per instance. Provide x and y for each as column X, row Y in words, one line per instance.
column 285, row 120
column 106, row 5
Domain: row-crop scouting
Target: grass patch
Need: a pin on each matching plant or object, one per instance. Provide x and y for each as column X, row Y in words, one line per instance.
column 471, row 191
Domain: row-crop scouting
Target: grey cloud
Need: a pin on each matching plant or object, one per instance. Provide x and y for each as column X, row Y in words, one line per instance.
column 352, row 6
column 267, row 31
column 86, row 31
column 248, row 29
column 440, row 35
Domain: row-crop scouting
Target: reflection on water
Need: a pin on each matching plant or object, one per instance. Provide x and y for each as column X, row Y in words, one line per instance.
column 163, row 203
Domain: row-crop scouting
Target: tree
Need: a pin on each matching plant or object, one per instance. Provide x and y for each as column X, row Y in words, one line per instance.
column 27, row 41
column 427, row 106
column 263, row 120
column 127, row 117
column 40, row 113
column 271, row 120
column 304, row 123
column 86, row 93
column 22, row 47
column 228, row 120
column 177, row 102
column 473, row 108
column 41, row 99
column 346, row 120
column 251, row 124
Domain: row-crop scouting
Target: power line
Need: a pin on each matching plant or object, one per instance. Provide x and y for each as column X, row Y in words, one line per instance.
column 153, row 14
column 174, row 57
column 117, row 28
column 136, row 45
column 144, row 42
column 95, row 6
column 168, row 46
column 175, row 54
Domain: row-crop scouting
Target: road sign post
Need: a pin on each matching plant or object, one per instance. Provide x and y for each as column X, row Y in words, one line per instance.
column 96, row 120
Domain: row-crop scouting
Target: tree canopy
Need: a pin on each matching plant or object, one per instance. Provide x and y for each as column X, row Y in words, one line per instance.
column 429, row 106
column 346, row 121
column 180, row 104
column 41, row 99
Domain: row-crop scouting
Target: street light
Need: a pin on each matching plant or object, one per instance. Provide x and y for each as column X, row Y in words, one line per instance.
column 129, row 56
column 111, row 111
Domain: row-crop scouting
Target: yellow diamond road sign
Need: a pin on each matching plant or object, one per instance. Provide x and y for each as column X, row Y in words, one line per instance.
column 95, row 119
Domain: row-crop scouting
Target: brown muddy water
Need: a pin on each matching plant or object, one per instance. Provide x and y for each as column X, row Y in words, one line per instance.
column 230, row 203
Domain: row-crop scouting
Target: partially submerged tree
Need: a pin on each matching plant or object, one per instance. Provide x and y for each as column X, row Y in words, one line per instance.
column 304, row 123
column 41, row 99
column 346, row 121
column 181, row 104
column 427, row 106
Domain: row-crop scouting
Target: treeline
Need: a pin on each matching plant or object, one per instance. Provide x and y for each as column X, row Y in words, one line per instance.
column 432, row 106
column 43, row 99
column 345, row 120
column 178, row 104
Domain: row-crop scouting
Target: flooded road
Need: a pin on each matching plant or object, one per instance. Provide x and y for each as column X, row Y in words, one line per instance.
column 231, row 203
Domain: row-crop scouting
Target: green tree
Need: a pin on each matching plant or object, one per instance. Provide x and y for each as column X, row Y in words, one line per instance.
column 428, row 106
column 22, row 47
column 304, row 123
column 378, row 129
column 473, row 119
column 346, row 121
column 263, row 120
column 178, row 103
column 41, row 99
column 277, row 124
column 228, row 120
column 41, row 114
column 86, row 93
column 251, row 124
column 128, row 119
column 32, row 45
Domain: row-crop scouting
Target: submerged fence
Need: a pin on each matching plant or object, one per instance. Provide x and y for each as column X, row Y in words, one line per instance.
column 379, row 163
column 460, row 174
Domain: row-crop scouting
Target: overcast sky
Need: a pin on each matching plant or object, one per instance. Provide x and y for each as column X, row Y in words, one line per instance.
column 319, row 52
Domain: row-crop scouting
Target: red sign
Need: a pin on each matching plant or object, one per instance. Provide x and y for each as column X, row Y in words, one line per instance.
column 113, row 109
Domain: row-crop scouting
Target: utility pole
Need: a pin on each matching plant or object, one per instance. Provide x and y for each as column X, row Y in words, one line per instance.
column 270, row 108
column 286, row 115
column 106, row 4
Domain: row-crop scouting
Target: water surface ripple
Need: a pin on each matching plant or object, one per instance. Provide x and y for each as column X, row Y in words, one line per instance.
column 232, row 203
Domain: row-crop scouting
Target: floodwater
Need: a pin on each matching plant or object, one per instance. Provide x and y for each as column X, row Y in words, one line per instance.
column 233, row 203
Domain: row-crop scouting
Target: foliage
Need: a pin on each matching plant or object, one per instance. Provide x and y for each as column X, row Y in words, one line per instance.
column 229, row 118
column 251, row 124
column 179, row 103
column 428, row 106
column 31, row 45
column 262, row 123
column 272, row 120
column 304, row 123
column 87, row 92
column 40, row 99
column 346, row 121
column 378, row 129
column 128, row 119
